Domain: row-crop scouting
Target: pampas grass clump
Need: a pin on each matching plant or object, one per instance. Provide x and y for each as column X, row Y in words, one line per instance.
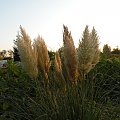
column 62, row 96
column 35, row 59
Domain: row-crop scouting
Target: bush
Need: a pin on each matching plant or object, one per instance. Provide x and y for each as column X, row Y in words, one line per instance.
column 25, row 99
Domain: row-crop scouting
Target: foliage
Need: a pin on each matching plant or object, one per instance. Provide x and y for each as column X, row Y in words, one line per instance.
column 106, row 51
column 107, row 79
column 16, row 55
column 108, row 54
column 97, row 97
column 116, row 51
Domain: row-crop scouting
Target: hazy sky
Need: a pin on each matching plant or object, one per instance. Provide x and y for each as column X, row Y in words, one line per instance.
column 46, row 17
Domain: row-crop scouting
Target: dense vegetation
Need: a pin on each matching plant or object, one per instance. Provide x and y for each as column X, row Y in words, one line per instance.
column 69, row 84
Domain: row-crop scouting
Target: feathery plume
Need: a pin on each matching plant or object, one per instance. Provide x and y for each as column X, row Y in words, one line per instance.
column 69, row 52
column 27, row 54
column 42, row 55
column 88, row 52
column 85, row 54
column 95, row 41
column 58, row 63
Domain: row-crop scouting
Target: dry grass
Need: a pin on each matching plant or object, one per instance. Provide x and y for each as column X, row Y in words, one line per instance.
column 70, row 57
column 35, row 59
column 27, row 54
column 88, row 51
column 95, row 42
column 58, row 64
column 42, row 55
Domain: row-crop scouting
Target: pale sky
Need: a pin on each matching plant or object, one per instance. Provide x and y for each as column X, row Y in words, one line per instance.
column 46, row 17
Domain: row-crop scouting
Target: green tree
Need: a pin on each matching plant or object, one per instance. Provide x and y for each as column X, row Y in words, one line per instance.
column 116, row 51
column 106, row 51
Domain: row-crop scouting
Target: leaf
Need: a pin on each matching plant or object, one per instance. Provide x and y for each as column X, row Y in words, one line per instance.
column 5, row 106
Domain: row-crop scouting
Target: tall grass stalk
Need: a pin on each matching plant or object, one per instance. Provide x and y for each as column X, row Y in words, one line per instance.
column 70, row 57
column 42, row 56
column 27, row 53
column 88, row 52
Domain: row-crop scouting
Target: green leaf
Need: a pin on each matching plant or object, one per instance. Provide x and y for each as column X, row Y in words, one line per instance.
column 5, row 106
